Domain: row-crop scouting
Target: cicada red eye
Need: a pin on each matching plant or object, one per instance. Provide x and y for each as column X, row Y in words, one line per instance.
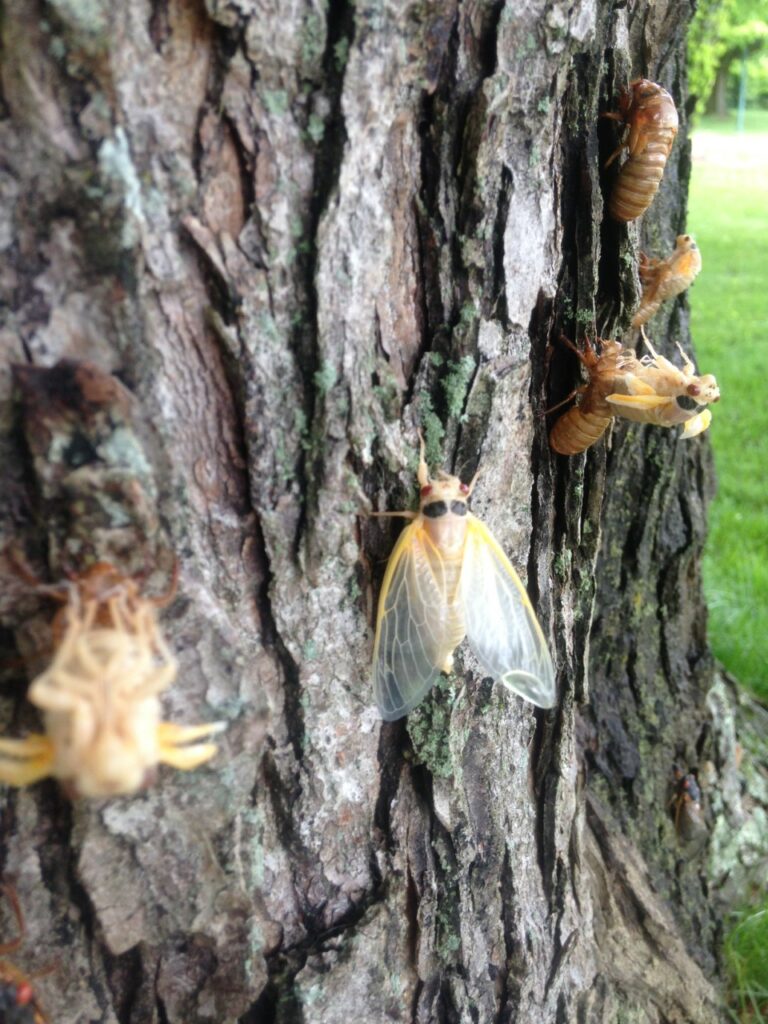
column 24, row 994
column 426, row 490
column 464, row 488
column 694, row 389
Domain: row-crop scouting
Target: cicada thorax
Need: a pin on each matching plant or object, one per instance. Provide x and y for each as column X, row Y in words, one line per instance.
column 651, row 118
column 664, row 279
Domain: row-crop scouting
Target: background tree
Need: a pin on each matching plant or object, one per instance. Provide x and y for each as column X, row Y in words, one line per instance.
column 724, row 33
column 295, row 232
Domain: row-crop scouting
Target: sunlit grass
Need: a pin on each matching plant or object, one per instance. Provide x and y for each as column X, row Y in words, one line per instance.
column 746, row 954
column 728, row 214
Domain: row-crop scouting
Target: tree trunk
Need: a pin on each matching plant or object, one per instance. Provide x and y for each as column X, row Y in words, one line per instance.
column 717, row 103
column 295, row 233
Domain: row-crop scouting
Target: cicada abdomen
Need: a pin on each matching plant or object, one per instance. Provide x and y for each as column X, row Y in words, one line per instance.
column 584, row 424
column 664, row 279
column 649, row 113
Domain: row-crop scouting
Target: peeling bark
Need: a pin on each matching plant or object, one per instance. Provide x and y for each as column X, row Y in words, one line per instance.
column 294, row 233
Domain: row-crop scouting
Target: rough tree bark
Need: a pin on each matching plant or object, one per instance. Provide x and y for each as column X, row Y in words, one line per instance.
column 294, row 232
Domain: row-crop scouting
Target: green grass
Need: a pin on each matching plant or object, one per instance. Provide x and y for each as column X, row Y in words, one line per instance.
column 728, row 214
column 755, row 123
column 746, row 954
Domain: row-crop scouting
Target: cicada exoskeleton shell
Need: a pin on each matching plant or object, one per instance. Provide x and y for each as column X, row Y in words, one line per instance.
column 650, row 116
column 664, row 279
column 99, row 695
column 584, row 424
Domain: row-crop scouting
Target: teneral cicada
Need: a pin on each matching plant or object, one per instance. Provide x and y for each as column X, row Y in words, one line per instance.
column 686, row 805
column 647, row 390
column 99, row 695
column 664, row 279
column 650, row 118
column 447, row 578
column 18, row 1002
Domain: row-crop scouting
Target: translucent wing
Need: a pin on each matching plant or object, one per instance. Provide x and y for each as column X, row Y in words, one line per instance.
column 639, row 402
column 643, row 408
column 411, row 629
column 502, row 628
column 697, row 424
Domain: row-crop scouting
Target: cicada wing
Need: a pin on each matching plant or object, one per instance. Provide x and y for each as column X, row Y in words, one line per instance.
column 640, row 402
column 697, row 424
column 410, row 641
column 502, row 628
column 642, row 408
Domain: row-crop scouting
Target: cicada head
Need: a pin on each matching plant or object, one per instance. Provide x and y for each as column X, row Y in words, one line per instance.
column 704, row 389
column 99, row 580
column 443, row 491
column 652, row 105
column 101, row 594
column 444, row 488
column 690, row 404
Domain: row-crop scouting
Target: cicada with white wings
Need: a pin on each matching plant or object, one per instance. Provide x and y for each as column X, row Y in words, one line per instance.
column 447, row 578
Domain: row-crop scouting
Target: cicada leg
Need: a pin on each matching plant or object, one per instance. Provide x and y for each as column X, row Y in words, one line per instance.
column 23, row 762
column 689, row 368
column 558, row 405
column 13, row 899
column 171, row 740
